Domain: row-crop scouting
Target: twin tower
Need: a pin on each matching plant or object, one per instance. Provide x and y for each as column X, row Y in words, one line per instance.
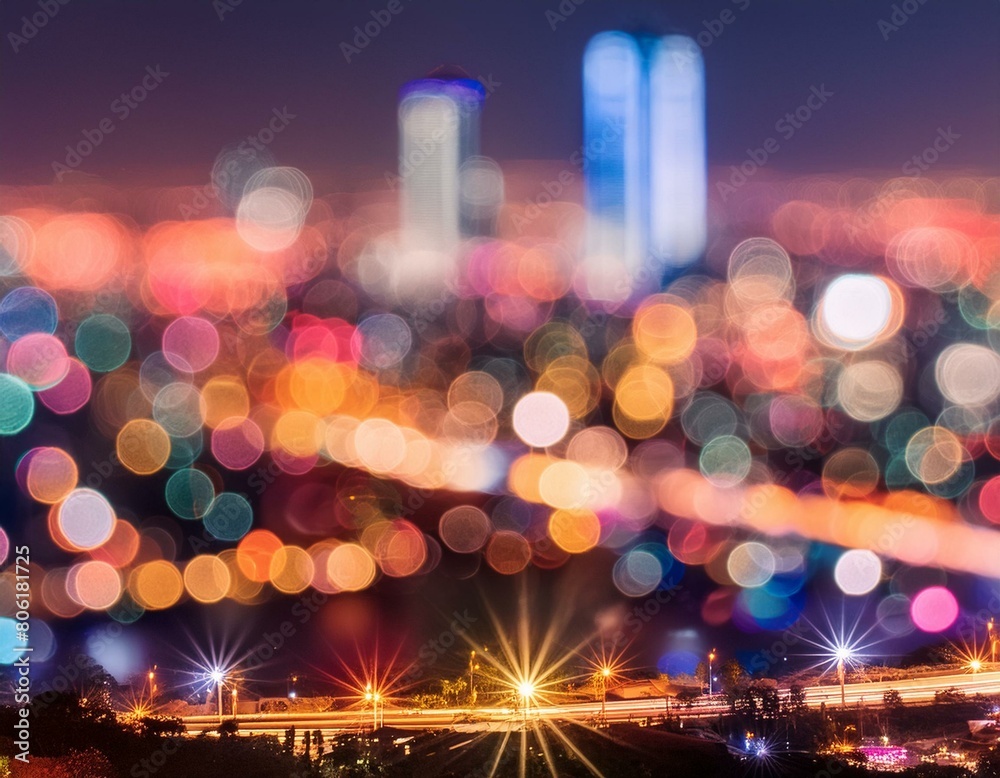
column 644, row 169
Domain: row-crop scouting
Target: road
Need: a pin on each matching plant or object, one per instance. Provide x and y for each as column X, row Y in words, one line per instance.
column 920, row 689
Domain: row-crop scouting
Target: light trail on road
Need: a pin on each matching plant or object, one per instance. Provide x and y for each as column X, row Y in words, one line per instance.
column 869, row 693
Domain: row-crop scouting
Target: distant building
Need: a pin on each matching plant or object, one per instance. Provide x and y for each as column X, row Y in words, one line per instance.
column 438, row 142
column 438, row 134
column 644, row 142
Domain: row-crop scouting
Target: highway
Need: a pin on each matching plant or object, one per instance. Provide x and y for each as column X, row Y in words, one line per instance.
column 914, row 690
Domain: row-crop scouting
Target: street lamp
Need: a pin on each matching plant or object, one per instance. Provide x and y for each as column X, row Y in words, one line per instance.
column 711, row 658
column 992, row 639
column 218, row 677
column 843, row 654
column 473, row 666
column 525, row 690
column 373, row 696
column 605, row 674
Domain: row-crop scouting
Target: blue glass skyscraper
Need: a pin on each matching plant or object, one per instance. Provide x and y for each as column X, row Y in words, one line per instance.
column 644, row 139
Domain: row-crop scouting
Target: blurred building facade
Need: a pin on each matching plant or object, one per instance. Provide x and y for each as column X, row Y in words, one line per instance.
column 644, row 139
column 438, row 133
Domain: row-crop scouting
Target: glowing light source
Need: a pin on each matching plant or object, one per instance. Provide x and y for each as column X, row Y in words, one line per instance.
column 86, row 519
column 968, row 374
column 934, row 609
column 841, row 647
column 541, row 419
column 855, row 310
column 857, row 572
column 273, row 208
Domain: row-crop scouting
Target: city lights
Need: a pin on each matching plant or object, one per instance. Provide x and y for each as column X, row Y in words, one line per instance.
column 603, row 408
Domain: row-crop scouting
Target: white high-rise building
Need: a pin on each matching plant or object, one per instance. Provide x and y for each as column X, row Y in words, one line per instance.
column 438, row 134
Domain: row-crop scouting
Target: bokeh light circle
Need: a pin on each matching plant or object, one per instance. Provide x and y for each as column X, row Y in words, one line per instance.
column 207, row 578
column 464, row 528
column 17, row 405
column 103, row 342
column 381, row 342
column 237, row 442
column 27, row 310
column 350, row 567
column 190, row 343
column 855, row 310
column 143, row 446
column 857, row 571
column 156, row 585
column 190, row 493
column 94, row 584
column 968, row 374
column 51, row 475
column 751, row 564
column 71, row 393
column 508, row 552
column 230, row 517
column 637, row 573
column 86, row 518
column 38, row 359
column 541, row 419
column 934, row 609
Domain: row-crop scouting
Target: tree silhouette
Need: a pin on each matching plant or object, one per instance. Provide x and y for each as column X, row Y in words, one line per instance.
column 733, row 679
